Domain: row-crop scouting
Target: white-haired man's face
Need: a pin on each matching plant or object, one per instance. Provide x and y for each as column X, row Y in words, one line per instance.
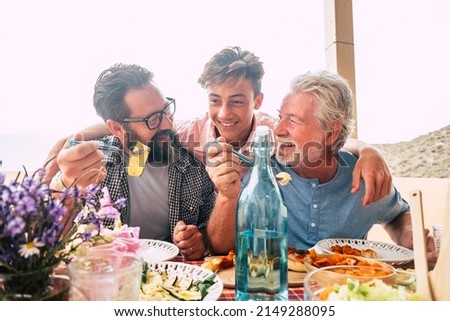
column 300, row 140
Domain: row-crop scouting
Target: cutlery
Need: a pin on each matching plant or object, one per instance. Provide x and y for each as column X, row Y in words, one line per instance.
column 242, row 157
column 102, row 146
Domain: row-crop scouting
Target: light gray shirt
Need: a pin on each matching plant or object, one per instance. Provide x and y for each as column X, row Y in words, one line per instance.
column 149, row 204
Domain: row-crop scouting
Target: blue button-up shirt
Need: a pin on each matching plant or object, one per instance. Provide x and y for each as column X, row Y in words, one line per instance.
column 319, row 211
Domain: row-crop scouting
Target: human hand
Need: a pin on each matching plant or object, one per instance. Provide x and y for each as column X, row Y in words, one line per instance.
column 432, row 253
column 51, row 165
column 406, row 240
column 189, row 240
column 81, row 164
column 224, row 168
column 372, row 168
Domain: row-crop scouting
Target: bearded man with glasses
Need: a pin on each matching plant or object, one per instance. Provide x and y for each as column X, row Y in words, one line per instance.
column 173, row 198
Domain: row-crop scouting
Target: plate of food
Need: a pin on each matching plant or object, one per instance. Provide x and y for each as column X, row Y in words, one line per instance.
column 224, row 266
column 314, row 261
column 380, row 251
column 174, row 281
column 157, row 251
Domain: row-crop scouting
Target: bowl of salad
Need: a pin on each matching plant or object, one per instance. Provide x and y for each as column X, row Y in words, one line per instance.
column 355, row 283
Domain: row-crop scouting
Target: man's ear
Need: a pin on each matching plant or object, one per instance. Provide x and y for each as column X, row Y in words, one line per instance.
column 333, row 132
column 115, row 128
column 259, row 100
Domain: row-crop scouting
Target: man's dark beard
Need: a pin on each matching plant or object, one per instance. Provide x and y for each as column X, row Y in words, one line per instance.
column 164, row 152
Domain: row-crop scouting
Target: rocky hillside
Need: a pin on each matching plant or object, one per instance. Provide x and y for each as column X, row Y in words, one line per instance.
column 424, row 156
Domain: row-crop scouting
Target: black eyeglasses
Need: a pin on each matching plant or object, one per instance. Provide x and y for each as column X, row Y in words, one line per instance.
column 154, row 119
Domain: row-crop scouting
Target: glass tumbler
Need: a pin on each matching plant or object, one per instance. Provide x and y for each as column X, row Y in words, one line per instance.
column 115, row 276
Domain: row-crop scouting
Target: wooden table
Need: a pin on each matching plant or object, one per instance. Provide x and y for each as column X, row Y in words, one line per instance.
column 295, row 293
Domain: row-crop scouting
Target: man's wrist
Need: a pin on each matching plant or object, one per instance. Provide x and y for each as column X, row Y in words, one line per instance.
column 57, row 182
column 206, row 242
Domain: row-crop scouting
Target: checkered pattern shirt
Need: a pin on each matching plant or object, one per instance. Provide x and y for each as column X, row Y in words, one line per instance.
column 191, row 192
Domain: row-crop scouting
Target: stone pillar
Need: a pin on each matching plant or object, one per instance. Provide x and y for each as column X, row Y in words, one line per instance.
column 339, row 44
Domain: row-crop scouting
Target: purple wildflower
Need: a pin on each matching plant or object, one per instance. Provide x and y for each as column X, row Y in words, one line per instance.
column 25, row 205
column 15, row 226
column 33, row 218
column 120, row 203
column 91, row 192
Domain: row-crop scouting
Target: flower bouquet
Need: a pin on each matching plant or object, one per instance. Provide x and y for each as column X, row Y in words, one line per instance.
column 38, row 233
column 115, row 237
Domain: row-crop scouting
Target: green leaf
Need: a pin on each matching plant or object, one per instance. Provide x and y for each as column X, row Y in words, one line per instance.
column 204, row 285
column 144, row 272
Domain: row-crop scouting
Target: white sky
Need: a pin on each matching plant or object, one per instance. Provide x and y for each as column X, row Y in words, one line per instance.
column 53, row 51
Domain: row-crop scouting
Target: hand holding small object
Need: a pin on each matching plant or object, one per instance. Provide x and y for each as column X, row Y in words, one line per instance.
column 284, row 178
column 82, row 165
column 242, row 157
column 102, row 146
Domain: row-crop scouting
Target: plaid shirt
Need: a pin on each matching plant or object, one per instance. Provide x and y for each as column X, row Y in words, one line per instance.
column 191, row 192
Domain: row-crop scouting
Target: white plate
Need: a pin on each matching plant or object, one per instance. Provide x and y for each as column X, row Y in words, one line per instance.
column 389, row 253
column 157, row 251
column 195, row 272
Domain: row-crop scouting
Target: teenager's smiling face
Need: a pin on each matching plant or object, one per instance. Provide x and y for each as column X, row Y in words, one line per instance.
column 231, row 106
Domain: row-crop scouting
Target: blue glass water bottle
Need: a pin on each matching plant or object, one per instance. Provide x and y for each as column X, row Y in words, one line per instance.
column 261, row 230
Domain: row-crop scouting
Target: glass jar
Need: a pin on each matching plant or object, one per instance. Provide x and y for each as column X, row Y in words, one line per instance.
column 106, row 275
column 45, row 284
